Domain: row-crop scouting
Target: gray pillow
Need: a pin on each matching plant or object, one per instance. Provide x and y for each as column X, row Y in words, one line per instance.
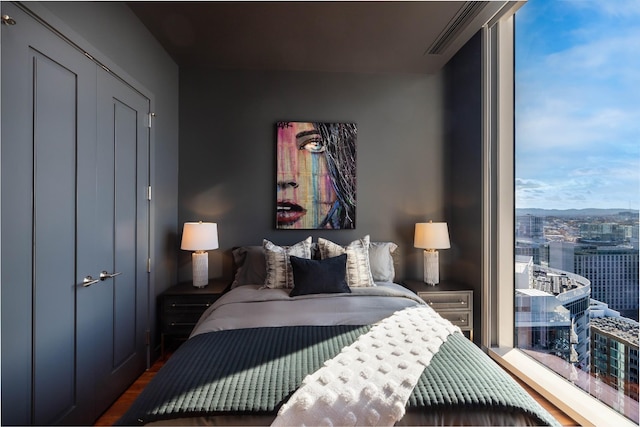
column 251, row 267
column 381, row 261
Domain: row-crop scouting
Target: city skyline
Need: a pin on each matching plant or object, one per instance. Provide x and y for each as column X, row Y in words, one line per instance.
column 577, row 109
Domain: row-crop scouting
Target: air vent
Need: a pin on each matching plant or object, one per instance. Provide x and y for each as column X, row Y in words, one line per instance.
column 466, row 13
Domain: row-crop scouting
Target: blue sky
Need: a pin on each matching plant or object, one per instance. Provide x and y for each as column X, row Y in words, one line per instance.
column 578, row 104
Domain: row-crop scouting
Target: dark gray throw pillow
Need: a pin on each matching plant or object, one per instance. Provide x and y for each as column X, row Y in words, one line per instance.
column 326, row 276
column 250, row 266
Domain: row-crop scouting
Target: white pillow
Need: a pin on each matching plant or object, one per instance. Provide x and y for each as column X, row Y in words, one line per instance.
column 279, row 271
column 358, row 268
column 381, row 261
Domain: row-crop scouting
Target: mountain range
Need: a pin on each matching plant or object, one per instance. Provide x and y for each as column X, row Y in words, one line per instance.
column 574, row 212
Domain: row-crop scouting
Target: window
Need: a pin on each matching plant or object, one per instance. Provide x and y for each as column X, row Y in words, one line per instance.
column 576, row 165
column 501, row 225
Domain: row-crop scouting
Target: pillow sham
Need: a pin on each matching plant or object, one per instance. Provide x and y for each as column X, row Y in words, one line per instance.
column 326, row 276
column 381, row 261
column 358, row 268
column 278, row 265
column 250, row 265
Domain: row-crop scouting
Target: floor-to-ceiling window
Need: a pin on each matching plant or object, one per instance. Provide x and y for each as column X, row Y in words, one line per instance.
column 577, row 193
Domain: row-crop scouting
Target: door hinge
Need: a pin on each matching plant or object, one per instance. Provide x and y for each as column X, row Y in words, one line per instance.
column 148, row 265
column 149, row 193
column 151, row 116
column 147, row 337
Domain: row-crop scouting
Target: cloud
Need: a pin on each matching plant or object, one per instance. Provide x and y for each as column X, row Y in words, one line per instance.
column 593, row 191
column 577, row 109
column 528, row 184
column 555, row 126
column 597, row 171
column 627, row 9
column 612, row 57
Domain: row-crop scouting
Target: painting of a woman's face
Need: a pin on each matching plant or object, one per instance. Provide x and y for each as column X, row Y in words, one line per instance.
column 305, row 191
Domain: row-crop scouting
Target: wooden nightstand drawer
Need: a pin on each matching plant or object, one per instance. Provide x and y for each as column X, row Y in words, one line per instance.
column 462, row 319
column 181, row 306
column 187, row 304
column 448, row 299
column 179, row 324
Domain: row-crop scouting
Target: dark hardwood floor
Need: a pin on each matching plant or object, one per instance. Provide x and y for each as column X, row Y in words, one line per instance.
column 122, row 404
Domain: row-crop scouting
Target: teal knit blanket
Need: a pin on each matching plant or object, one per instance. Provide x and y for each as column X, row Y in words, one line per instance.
column 255, row 370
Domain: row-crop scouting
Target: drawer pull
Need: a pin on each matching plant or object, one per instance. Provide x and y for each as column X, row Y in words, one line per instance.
column 178, row 305
column 182, row 324
column 462, row 302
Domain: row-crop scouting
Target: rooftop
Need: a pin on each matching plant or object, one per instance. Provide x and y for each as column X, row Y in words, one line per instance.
column 621, row 327
column 534, row 292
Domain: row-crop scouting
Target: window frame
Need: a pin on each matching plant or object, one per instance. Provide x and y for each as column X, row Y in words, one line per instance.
column 498, row 218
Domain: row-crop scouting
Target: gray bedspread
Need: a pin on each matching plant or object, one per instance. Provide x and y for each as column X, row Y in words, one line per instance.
column 252, row 306
column 253, row 347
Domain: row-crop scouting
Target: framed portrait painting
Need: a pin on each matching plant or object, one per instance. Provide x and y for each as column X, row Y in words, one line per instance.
column 316, row 175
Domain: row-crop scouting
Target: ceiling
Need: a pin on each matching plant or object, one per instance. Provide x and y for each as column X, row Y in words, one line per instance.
column 332, row 36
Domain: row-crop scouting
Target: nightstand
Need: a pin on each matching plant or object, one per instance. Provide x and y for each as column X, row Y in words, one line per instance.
column 182, row 305
column 449, row 299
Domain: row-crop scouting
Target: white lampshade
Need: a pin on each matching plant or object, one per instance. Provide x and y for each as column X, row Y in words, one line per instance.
column 199, row 236
column 431, row 235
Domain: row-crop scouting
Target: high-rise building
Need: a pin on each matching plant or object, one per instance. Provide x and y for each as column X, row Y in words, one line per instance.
column 530, row 226
column 614, row 344
column 604, row 232
column 530, row 239
column 552, row 312
column 611, row 269
column 538, row 251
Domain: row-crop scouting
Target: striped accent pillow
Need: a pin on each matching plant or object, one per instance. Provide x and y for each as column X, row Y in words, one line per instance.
column 358, row 267
column 279, row 271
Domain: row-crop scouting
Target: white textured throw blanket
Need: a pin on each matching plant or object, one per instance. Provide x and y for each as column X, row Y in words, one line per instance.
column 370, row 381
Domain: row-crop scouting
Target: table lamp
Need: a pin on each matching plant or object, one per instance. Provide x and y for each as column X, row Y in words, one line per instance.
column 200, row 237
column 431, row 236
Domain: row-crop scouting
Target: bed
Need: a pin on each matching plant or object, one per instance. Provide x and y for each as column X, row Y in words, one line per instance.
column 325, row 337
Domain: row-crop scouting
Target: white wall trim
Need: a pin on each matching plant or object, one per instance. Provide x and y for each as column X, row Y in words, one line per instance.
column 578, row 404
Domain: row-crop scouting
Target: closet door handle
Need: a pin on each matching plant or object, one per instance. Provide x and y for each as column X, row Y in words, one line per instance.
column 88, row 281
column 105, row 275
column 7, row 20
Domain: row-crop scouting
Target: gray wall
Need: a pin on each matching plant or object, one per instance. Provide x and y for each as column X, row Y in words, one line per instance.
column 419, row 148
column 115, row 36
column 463, row 183
column 227, row 154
